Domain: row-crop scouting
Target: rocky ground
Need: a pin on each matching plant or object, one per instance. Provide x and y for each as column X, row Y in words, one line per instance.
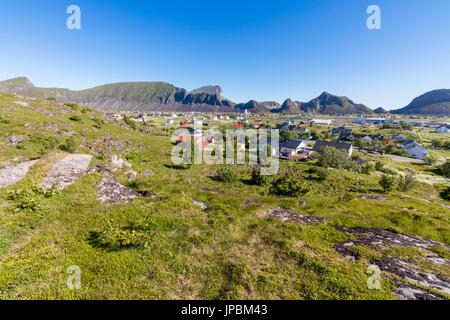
column 11, row 173
column 410, row 278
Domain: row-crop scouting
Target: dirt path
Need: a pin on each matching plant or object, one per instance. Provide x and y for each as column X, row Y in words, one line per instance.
column 13, row 173
column 403, row 159
column 67, row 171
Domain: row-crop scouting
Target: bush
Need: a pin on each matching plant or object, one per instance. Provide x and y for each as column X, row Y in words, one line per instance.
column 73, row 106
column 406, row 183
column 445, row 169
column 430, row 160
column 68, row 145
column 132, row 124
column 75, row 118
column 322, row 173
column 338, row 159
column 368, row 168
column 387, row 182
column 445, row 194
column 226, row 175
column 288, row 186
column 379, row 166
column 98, row 123
column 3, row 120
column 258, row 179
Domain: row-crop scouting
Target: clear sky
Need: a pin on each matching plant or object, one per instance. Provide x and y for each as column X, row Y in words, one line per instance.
column 262, row 50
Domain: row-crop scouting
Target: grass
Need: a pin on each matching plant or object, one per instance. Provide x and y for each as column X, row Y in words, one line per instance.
column 167, row 248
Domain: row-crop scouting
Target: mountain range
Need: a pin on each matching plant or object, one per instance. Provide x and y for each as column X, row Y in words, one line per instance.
column 162, row 96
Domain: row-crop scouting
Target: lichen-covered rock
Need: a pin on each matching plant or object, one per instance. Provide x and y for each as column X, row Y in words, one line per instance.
column 286, row 215
column 110, row 191
column 12, row 173
column 67, row 171
column 15, row 140
column 407, row 271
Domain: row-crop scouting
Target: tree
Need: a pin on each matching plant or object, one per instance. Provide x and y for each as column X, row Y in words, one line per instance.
column 406, row 183
column 226, row 175
column 445, row 194
column 289, row 186
column 387, row 182
column 289, row 134
column 258, row 179
column 338, row 159
column 445, row 169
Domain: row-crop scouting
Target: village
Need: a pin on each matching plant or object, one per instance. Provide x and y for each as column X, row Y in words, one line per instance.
column 300, row 137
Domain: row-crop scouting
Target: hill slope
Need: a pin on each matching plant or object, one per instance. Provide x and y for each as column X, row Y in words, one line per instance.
column 149, row 236
column 436, row 103
column 129, row 96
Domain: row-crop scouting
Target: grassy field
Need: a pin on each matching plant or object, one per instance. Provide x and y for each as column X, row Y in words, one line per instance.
column 168, row 248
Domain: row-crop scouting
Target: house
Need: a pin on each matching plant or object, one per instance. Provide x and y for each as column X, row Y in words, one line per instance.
column 337, row 145
column 169, row 122
column 445, row 128
column 398, row 137
column 291, row 147
column 321, row 121
column 262, row 143
column 415, row 150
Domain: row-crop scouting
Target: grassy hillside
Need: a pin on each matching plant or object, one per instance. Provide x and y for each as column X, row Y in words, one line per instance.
column 169, row 248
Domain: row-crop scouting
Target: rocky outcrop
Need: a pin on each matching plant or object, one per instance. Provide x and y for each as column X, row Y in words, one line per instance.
column 409, row 277
column 111, row 191
column 286, row 215
column 11, row 173
column 67, row 171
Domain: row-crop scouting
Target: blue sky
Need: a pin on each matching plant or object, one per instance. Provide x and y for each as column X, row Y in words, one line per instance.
column 263, row 50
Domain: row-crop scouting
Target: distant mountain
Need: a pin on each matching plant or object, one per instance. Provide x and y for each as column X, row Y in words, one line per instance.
column 212, row 90
column 435, row 103
column 255, row 106
column 162, row 96
column 130, row 96
column 289, row 106
column 379, row 110
column 327, row 103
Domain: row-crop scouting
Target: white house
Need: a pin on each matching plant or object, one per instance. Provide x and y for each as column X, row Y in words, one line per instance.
column 169, row 122
column 415, row 150
column 445, row 128
column 321, row 121
column 291, row 147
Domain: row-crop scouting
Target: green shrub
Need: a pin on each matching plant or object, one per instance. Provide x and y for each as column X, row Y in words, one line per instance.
column 98, row 123
column 368, row 168
column 68, row 145
column 387, row 182
column 75, row 118
column 445, row 194
column 132, row 124
column 3, row 120
column 289, row 186
column 258, row 179
column 348, row 197
column 322, row 173
column 73, row 106
column 430, row 160
column 338, row 159
column 226, row 175
column 445, row 169
column 113, row 237
column 406, row 183
column 379, row 166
